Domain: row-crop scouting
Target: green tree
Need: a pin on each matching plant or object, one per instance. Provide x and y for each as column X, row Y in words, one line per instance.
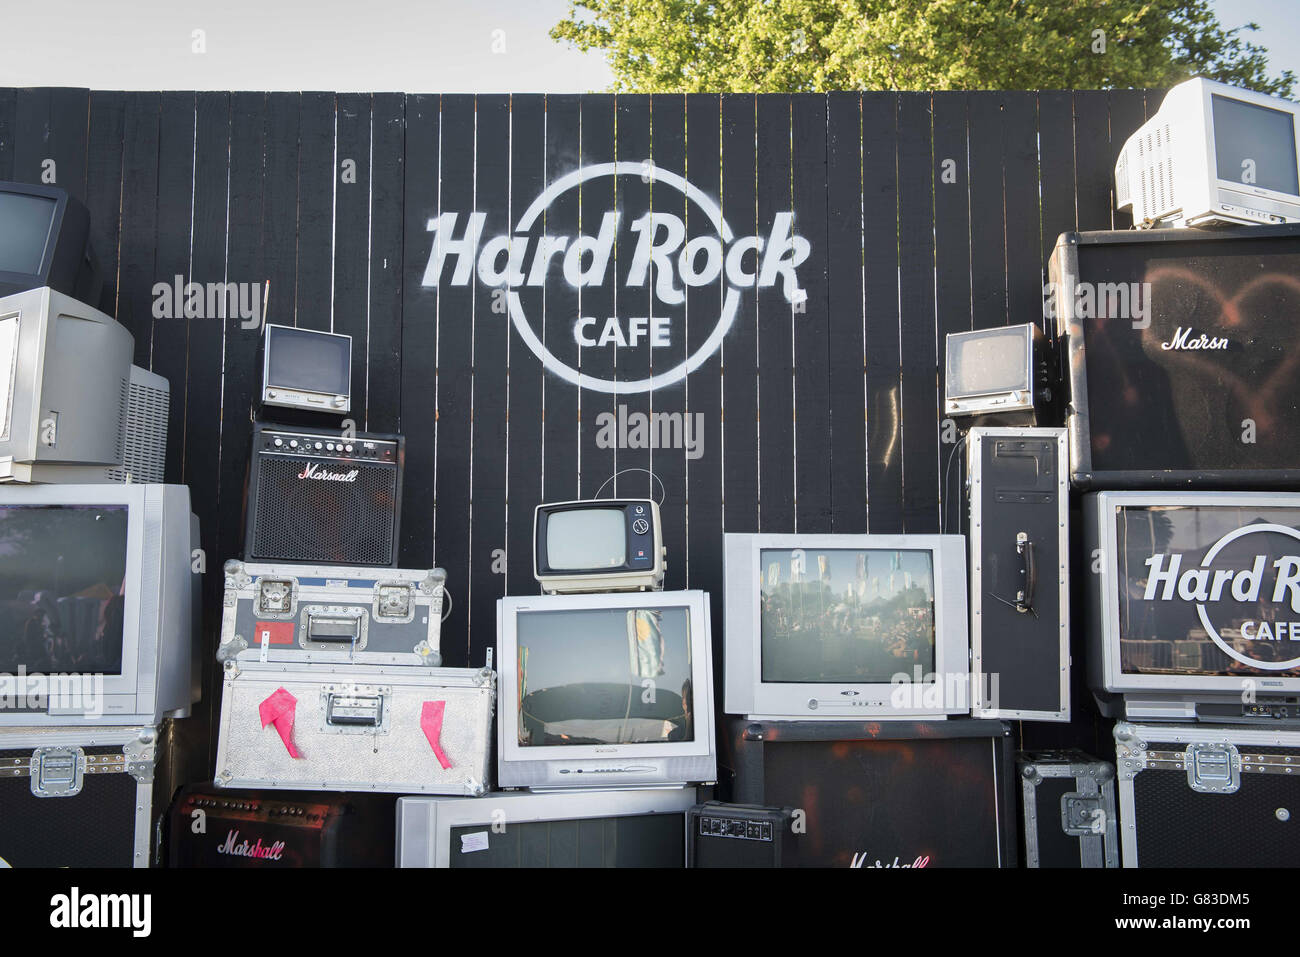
column 815, row 45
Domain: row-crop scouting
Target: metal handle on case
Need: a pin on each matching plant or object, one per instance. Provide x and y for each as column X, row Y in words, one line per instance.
column 1028, row 573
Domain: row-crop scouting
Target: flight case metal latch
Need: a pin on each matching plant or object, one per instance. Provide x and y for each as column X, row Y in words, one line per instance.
column 57, row 771
column 1082, row 814
column 1213, row 768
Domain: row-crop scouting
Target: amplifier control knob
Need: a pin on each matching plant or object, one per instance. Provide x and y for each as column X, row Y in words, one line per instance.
column 293, row 443
column 279, row 442
column 347, row 448
column 329, row 446
column 318, row 446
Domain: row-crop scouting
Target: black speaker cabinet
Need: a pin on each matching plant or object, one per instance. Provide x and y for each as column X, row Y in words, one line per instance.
column 883, row 793
column 322, row 497
column 1019, row 572
column 1182, row 356
column 740, row 835
column 210, row 826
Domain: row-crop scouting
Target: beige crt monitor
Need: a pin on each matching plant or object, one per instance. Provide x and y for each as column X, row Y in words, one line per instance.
column 598, row 545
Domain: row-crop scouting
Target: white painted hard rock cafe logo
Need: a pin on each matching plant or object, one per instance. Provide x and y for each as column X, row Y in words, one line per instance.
column 1246, row 584
column 660, row 254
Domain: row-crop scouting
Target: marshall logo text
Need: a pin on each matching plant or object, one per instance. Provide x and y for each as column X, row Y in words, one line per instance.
column 321, row 474
column 266, row 852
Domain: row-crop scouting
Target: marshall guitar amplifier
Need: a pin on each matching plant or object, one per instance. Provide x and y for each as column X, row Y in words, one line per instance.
column 215, row 827
column 320, row 497
column 740, row 835
column 1182, row 358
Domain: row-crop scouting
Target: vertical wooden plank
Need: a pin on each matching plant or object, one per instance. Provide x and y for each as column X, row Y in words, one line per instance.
column 490, row 386
column 564, row 144
column 351, row 183
column 201, row 463
column 280, row 220
column 524, row 441
column 314, row 262
column 384, row 354
column 1056, row 169
column 740, row 348
column 169, row 332
column 668, row 152
column 245, row 264
column 68, row 129
column 988, row 220
column 952, row 286
column 607, row 296
column 880, row 277
column 104, row 185
column 918, row 333
column 136, row 275
column 31, row 134
column 1127, row 113
column 811, row 316
column 8, row 116
column 1021, row 191
column 1092, row 179
column 776, row 477
column 847, row 360
column 420, row 315
column 703, row 556
column 457, row 321
column 208, row 264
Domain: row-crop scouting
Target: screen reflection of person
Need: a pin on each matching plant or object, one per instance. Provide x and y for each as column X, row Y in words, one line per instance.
column 681, row 729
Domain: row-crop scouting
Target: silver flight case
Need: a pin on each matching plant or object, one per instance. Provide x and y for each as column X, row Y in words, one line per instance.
column 336, row 614
column 356, row 728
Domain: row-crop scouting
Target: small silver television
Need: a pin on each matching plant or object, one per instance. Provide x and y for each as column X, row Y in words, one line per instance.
column 98, row 604
column 612, row 691
column 846, row 627
column 598, row 545
column 306, row 369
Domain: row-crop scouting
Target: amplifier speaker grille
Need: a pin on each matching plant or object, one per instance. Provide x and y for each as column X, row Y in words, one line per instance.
column 310, row 520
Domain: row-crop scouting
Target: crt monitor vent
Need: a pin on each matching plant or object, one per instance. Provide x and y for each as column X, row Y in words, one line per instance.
column 144, row 441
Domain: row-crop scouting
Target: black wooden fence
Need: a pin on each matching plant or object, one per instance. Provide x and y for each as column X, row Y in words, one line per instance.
column 923, row 213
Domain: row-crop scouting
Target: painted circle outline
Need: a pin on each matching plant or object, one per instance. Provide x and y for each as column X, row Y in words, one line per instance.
column 726, row 316
column 1200, row 606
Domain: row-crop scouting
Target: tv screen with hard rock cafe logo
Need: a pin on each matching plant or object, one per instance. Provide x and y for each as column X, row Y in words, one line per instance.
column 1209, row 590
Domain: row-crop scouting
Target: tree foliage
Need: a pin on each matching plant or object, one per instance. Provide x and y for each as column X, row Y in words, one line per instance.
column 816, row 45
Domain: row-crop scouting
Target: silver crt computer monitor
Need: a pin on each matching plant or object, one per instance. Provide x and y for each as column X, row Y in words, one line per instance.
column 72, row 406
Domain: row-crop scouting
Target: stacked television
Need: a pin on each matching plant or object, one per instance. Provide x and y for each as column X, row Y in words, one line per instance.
column 605, row 721
column 97, row 558
column 1179, row 342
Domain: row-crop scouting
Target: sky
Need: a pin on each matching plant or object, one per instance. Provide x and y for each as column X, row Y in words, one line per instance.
column 409, row 46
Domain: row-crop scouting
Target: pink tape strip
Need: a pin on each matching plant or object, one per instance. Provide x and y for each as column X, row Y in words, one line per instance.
column 431, row 723
column 278, row 709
